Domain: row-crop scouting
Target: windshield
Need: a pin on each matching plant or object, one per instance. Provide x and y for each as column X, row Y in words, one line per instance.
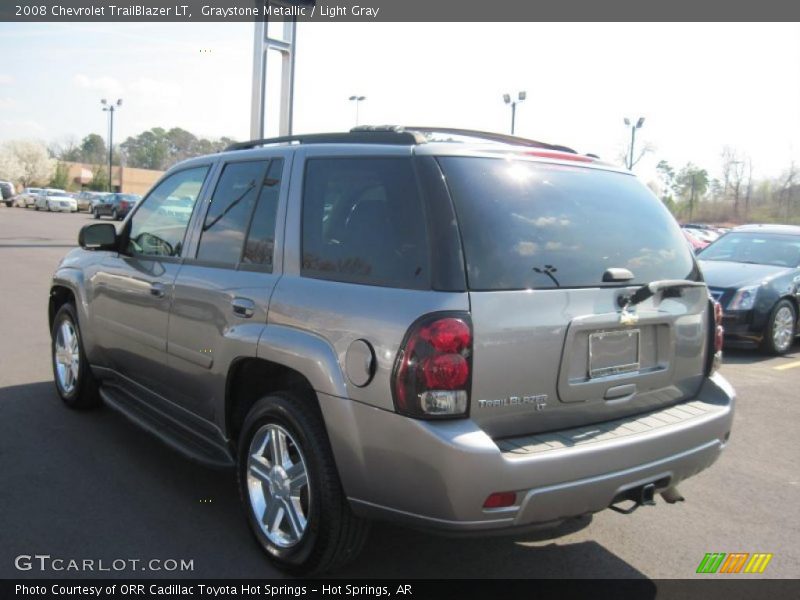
column 529, row 225
column 56, row 193
column 758, row 248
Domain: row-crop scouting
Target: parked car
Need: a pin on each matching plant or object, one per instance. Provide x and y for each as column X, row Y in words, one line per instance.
column 27, row 197
column 115, row 205
column 457, row 336
column 55, row 200
column 7, row 193
column 694, row 242
column 87, row 199
column 754, row 273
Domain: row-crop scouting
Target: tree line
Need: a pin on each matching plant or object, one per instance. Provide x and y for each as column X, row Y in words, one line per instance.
column 156, row 149
column 734, row 197
column 30, row 163
column 690, row 192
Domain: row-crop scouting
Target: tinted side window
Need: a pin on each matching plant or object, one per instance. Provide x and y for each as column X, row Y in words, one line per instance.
column 363, row 222
column 232, row 205
column 260, row 243
column 159, row 226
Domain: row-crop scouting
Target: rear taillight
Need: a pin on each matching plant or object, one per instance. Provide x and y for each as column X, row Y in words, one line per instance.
column 717, row 337
column 123, row 205
column 433, row 371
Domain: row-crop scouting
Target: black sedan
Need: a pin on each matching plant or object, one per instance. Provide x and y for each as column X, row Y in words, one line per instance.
column 115, row 205
column 753, row 271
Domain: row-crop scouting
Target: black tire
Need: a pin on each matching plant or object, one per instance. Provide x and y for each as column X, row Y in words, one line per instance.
column 333, row 534
column 96, row 213
column 768, row 343
column 115, row 214
column 84, row 394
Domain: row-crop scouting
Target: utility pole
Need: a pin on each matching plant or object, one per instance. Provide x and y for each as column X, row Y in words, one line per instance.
column 634, row 127
column 507, row 99
column 110, row 108
column 358, row 100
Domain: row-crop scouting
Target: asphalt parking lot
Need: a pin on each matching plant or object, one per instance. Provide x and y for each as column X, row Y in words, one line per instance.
column 94, row 486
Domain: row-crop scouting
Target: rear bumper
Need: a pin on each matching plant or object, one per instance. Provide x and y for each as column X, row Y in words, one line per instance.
column 438, row 474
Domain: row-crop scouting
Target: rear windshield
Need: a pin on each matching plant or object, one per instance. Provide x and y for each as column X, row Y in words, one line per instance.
column 528, row 225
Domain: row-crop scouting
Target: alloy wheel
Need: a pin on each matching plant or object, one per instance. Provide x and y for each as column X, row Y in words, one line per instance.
column 277, row 482
column 783, row 329
column 67, row 357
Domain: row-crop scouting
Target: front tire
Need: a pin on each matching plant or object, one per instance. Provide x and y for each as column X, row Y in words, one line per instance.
column 781, row 328
column 114, row 214
column 71, row 372
column 290, row 488
column 96, row 213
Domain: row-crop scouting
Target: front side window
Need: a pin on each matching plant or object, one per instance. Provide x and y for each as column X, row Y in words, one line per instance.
column 159, row 226
column 363, row 222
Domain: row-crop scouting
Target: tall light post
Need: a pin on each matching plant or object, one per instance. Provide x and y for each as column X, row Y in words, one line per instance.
column 357, row 100
column 110, row 108
column 634, row 127
column 507, row 99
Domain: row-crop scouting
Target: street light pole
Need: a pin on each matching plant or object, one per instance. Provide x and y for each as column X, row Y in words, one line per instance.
column 507, row 99
column 634, row 127
column 110, row 108
column 357, row 100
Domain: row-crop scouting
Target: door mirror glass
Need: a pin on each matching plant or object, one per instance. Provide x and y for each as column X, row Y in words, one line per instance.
column 98, row 236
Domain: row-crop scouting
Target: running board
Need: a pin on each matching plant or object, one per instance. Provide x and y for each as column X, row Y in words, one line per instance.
column 192, row 445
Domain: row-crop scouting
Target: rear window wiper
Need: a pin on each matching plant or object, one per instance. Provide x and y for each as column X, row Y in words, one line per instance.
column 649, row 290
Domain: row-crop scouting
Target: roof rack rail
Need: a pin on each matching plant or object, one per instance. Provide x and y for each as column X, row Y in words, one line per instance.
column 494, row 137
column 394, row 135
column 376, row 135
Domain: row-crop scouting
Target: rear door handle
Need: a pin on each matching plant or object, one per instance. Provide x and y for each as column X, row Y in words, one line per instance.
column 243, row 307
column 157, row 289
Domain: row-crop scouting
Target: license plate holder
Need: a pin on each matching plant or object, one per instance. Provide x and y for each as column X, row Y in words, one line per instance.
column 614, row 352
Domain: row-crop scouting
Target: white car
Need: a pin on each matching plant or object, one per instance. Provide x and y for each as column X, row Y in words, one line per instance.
column 55, row 200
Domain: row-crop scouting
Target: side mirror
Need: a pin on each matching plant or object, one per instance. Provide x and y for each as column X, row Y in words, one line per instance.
column 98, row 236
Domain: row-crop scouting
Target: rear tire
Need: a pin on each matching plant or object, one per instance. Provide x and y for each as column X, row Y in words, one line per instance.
column 96, row 213
column 71, row 372
column 331, row 535
column 781, row 328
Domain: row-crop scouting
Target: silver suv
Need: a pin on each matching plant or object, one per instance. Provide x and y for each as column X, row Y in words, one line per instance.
column 459, row 331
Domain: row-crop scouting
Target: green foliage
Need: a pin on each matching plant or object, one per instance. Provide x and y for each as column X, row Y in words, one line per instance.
column 99, row 181
column 60, row 178
column 159, row 148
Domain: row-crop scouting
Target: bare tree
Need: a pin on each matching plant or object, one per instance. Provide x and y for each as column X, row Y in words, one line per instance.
column 733, row 175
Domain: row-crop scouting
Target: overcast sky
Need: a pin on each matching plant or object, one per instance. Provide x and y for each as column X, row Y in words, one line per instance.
column 700, row 86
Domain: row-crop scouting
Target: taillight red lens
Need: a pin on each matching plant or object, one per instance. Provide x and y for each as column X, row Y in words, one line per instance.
column 445, row 371
column 432, row 374
column 719, row 332
column 447, row 335
column 500, row 500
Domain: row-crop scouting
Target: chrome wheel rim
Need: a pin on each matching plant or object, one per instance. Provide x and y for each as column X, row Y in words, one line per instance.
column 277, row 483
column 783, row 328
column 67, row 357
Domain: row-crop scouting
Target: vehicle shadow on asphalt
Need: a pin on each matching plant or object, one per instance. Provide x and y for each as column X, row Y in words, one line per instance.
column 90, row 484
column 748, row 356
